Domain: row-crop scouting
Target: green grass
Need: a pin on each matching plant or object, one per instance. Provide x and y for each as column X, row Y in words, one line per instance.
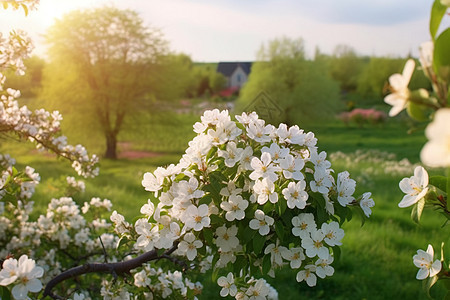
column 376, row 260
column 392, row 137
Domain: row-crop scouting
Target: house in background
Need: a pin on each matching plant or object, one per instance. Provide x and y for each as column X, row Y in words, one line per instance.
column 236, row 73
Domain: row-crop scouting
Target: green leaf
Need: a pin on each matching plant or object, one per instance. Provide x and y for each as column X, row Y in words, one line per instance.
column 211, row 153
column 5, row 294
column 287, row 217
column 180, row 177
column 441, row 57
column 14, row 172
column 447, row 296
column 319, row 199
column 322, row 215
column 202, row 250
column 247, row 235
column 417, row 112
column 439, row 181
column 208, row 235
column 279, row 229
column 258, row 243
column 417, row 210
column 336, row 253
column 428, row 284
column 437, row 13
column 342, row 212
column 215, row 273
column 349, row 215
column 205, row 200
column 281, row 205
column 268, row 207
column 214, row 262
column 361, row 214
column 122, row 241
column 216, row 220
column 240, row 263
column 267, row 264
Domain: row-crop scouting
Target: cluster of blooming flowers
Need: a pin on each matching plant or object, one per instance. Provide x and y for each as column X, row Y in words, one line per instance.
column 248, row 196
column 40, row 126
column 416, row 188
column 253, row 288
column 61, row 237
column 166, row 284
column 76, row 185
column 13, row 49
column 58, row 239
column 25, row 183
column 421, row 190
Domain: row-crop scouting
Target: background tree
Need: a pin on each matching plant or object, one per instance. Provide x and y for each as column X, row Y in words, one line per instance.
column 205, row 80
column 301, row 88
column 375, row 75
column 110, row 61
column 345, row 67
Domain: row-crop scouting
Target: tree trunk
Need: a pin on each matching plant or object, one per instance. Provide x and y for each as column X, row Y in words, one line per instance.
column 111, row 146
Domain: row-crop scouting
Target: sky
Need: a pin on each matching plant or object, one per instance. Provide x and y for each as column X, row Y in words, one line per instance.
column 234, row 30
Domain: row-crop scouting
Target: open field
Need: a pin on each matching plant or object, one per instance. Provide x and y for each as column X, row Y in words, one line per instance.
column 376, row 260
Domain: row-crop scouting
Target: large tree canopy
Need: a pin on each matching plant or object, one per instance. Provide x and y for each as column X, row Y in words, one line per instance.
column 109, row 60
column 300, row 89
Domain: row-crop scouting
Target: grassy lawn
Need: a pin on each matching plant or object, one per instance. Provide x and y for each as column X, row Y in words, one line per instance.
column 376, row 260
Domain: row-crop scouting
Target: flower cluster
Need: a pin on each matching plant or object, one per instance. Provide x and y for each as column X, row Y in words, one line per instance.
column 251, row 289
column 249, row 197
column 422, row 190
column 40, row 126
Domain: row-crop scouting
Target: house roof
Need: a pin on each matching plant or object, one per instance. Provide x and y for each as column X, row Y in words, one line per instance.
column 227, row 68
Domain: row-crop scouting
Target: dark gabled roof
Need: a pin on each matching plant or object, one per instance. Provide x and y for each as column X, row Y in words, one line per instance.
column 227, row 68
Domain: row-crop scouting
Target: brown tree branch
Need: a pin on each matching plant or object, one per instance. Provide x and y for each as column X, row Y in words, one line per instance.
column 117, row 269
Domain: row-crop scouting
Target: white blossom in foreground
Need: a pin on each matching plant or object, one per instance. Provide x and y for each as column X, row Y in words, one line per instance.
column 276, row 253
column 227, row 284
column 303, row 224
column 436, row 152
column 197, row 217
column 295, row 194
column 265, row 189
column 323, row 267
column 399, row 84
column 308, row 275
column 345, row 188
column 333, row 234
column 295, row 256
column 367, row 203
column 424, row 261
column 260, row 290
column 261, row 222
column 189, row 245
column 415, row 187
column 314, row 245
column 235, row 208
column 25, row 272
column 226, row 238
